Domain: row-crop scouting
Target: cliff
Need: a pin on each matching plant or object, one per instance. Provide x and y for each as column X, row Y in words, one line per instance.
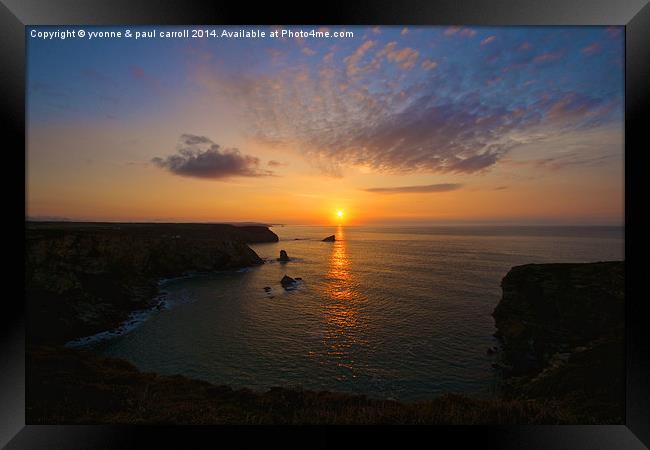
column 86, row 278
column 562, row 328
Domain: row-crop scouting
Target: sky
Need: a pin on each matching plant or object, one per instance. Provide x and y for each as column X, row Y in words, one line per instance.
column 393, row 125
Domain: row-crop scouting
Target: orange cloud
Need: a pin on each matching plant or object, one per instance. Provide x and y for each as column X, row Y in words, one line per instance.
column 352, row 61
column 406, row 58
column 428, row 64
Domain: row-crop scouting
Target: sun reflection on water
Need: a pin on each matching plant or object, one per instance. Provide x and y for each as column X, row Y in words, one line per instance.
column 341, row 283
column 343, row 299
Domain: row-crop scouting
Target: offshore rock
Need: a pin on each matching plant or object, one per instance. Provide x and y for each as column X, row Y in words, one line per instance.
column 283, row 256
column 287, row 282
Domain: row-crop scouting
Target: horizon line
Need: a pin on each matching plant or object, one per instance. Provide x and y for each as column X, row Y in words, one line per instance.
column 280, row 224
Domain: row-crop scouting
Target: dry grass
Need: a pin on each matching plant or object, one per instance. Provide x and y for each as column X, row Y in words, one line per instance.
column 73, row 387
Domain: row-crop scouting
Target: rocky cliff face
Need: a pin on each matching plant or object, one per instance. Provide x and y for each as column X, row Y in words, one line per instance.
column 561, row 328
column 548, row 308
column 86, row 278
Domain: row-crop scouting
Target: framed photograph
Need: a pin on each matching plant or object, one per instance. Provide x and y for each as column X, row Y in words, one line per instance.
column 373, row 223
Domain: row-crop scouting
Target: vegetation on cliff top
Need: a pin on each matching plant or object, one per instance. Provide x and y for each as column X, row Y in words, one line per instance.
column 77, row 387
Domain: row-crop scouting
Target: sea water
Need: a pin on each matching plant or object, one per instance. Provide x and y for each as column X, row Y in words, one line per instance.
column 389, row 312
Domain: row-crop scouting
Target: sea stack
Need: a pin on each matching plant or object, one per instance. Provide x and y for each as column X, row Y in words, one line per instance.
column 331, row 238
column 287, row 282
column 283, row 256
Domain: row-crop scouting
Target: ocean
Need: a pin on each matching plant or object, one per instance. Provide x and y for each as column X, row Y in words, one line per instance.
column 389, row 312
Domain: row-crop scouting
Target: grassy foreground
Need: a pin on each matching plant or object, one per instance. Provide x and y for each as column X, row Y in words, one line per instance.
column 78, row 387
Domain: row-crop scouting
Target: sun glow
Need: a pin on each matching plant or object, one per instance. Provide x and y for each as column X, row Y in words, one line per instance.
column 339, row 214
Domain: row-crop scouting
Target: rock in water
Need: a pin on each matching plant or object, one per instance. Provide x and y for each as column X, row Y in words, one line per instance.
column 283, row 256
column 331, row 238
column 287, row 282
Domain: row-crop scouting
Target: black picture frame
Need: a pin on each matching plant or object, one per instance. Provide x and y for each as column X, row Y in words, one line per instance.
column 15, row 15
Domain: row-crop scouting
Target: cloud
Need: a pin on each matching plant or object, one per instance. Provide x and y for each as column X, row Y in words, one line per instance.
column 487, row 40
column 273, row 163
column 405, row 58
column 428, row 64
column 190, row 139
column 460, row 31
column 417, row 129
column 200, row 157
column 352, row 61
column 353, row 112
column 591, row 49
column 328, row 58
column 574, row 108
column 574, row 149
column 443, row 187
column 548, row 56
column 571, row 159
column 425, row 136
column 451, row 31
column 525, row 46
